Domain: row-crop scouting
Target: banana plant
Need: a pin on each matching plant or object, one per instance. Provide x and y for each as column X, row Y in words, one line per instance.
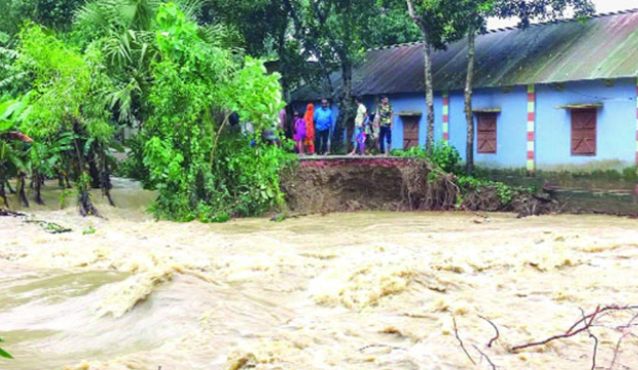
column 46, row 161
column 14, row 161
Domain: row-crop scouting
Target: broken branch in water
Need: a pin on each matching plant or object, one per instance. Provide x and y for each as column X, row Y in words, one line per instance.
column 487, row 358
column 586, row 323
column 456, row 334
column 6, row 212
column 50, row 227
column 591, row 335
column 498, row 334
column 381, row 346
column 570, row 333
column 625, row 330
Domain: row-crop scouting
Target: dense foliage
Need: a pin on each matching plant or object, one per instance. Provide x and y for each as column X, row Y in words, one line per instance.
column 199, row 173
column 147, row 65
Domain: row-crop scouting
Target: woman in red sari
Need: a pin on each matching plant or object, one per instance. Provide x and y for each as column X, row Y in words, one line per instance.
column 310, row 129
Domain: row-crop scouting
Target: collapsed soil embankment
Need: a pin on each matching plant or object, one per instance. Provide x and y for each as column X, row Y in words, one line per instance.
column 346, row 184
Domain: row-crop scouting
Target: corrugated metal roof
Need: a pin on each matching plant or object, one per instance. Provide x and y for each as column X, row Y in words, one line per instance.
column 604, row 47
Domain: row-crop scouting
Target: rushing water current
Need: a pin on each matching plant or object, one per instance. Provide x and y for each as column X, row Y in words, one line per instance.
column 342, row 291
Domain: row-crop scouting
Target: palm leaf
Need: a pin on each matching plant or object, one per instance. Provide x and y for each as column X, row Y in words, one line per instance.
column 5, row 354
column 191, row 8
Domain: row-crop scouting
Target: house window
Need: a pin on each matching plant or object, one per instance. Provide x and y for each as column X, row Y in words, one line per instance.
column 584, row 131
column 486, row 133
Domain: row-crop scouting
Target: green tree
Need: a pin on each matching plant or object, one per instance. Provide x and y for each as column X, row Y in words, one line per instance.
column 435, row 19
column 53, row 14
column 337, row 33
column 257, row 23
column 124, row 32
column 67, row 96
column 200, row 170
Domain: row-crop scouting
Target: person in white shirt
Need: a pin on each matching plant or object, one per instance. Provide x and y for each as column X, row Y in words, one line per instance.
column 359, row 135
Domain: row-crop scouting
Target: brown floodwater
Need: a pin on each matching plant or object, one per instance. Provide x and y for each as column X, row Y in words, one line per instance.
column 342, row 291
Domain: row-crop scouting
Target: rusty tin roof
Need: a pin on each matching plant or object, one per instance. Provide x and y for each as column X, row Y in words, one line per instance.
column 603, row 47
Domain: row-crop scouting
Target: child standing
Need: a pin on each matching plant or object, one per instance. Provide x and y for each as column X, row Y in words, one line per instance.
column 360, row 123
column 299, row 132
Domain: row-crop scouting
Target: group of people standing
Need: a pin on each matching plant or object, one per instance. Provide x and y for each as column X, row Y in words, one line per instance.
column 373, row 129
column 311, row 131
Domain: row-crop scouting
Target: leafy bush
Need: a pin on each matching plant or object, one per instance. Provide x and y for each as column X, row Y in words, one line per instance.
column 446, row 157
column 66, row 114
column 443, row 155
column 505, row 192
column 201, row 168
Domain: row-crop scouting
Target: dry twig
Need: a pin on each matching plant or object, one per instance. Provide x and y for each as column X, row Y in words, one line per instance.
column 625, row 333
column 570, row 333
column 498, row 334
column 456, row 333
column 487, row 358
column 381, row 346
column 586, row 323
column 591, row 335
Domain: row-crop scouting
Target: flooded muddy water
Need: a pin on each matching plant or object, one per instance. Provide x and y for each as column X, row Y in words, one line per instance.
column 342, row 291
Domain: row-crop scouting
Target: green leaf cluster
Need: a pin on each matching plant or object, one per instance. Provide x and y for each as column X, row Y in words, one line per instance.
column 443, row 156
column 201, row 167
column 4, row 353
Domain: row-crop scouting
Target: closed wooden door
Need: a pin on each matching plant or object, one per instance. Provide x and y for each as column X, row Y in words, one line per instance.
column 584, row 123
column 486, row 133
column 410, row 132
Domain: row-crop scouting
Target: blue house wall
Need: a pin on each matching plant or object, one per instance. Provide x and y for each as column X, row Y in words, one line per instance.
column 616, row 126
column 616, row 123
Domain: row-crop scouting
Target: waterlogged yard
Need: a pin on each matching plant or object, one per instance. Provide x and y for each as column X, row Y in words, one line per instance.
column 342, row 291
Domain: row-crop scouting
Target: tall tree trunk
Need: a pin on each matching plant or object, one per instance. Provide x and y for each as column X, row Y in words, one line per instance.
column 105, row 176
column 94, row 170
column 469, row 115
column 427, row 61
column 85, row 205
column 22, row 180
column 3, row 194
column 429, row 96
column 345, row 107
column 11, row 190
column 37, row 183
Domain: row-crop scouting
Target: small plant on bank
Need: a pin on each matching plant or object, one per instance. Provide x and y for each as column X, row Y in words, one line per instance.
column 447, row 160
column 504, row 192
column 443, row 156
